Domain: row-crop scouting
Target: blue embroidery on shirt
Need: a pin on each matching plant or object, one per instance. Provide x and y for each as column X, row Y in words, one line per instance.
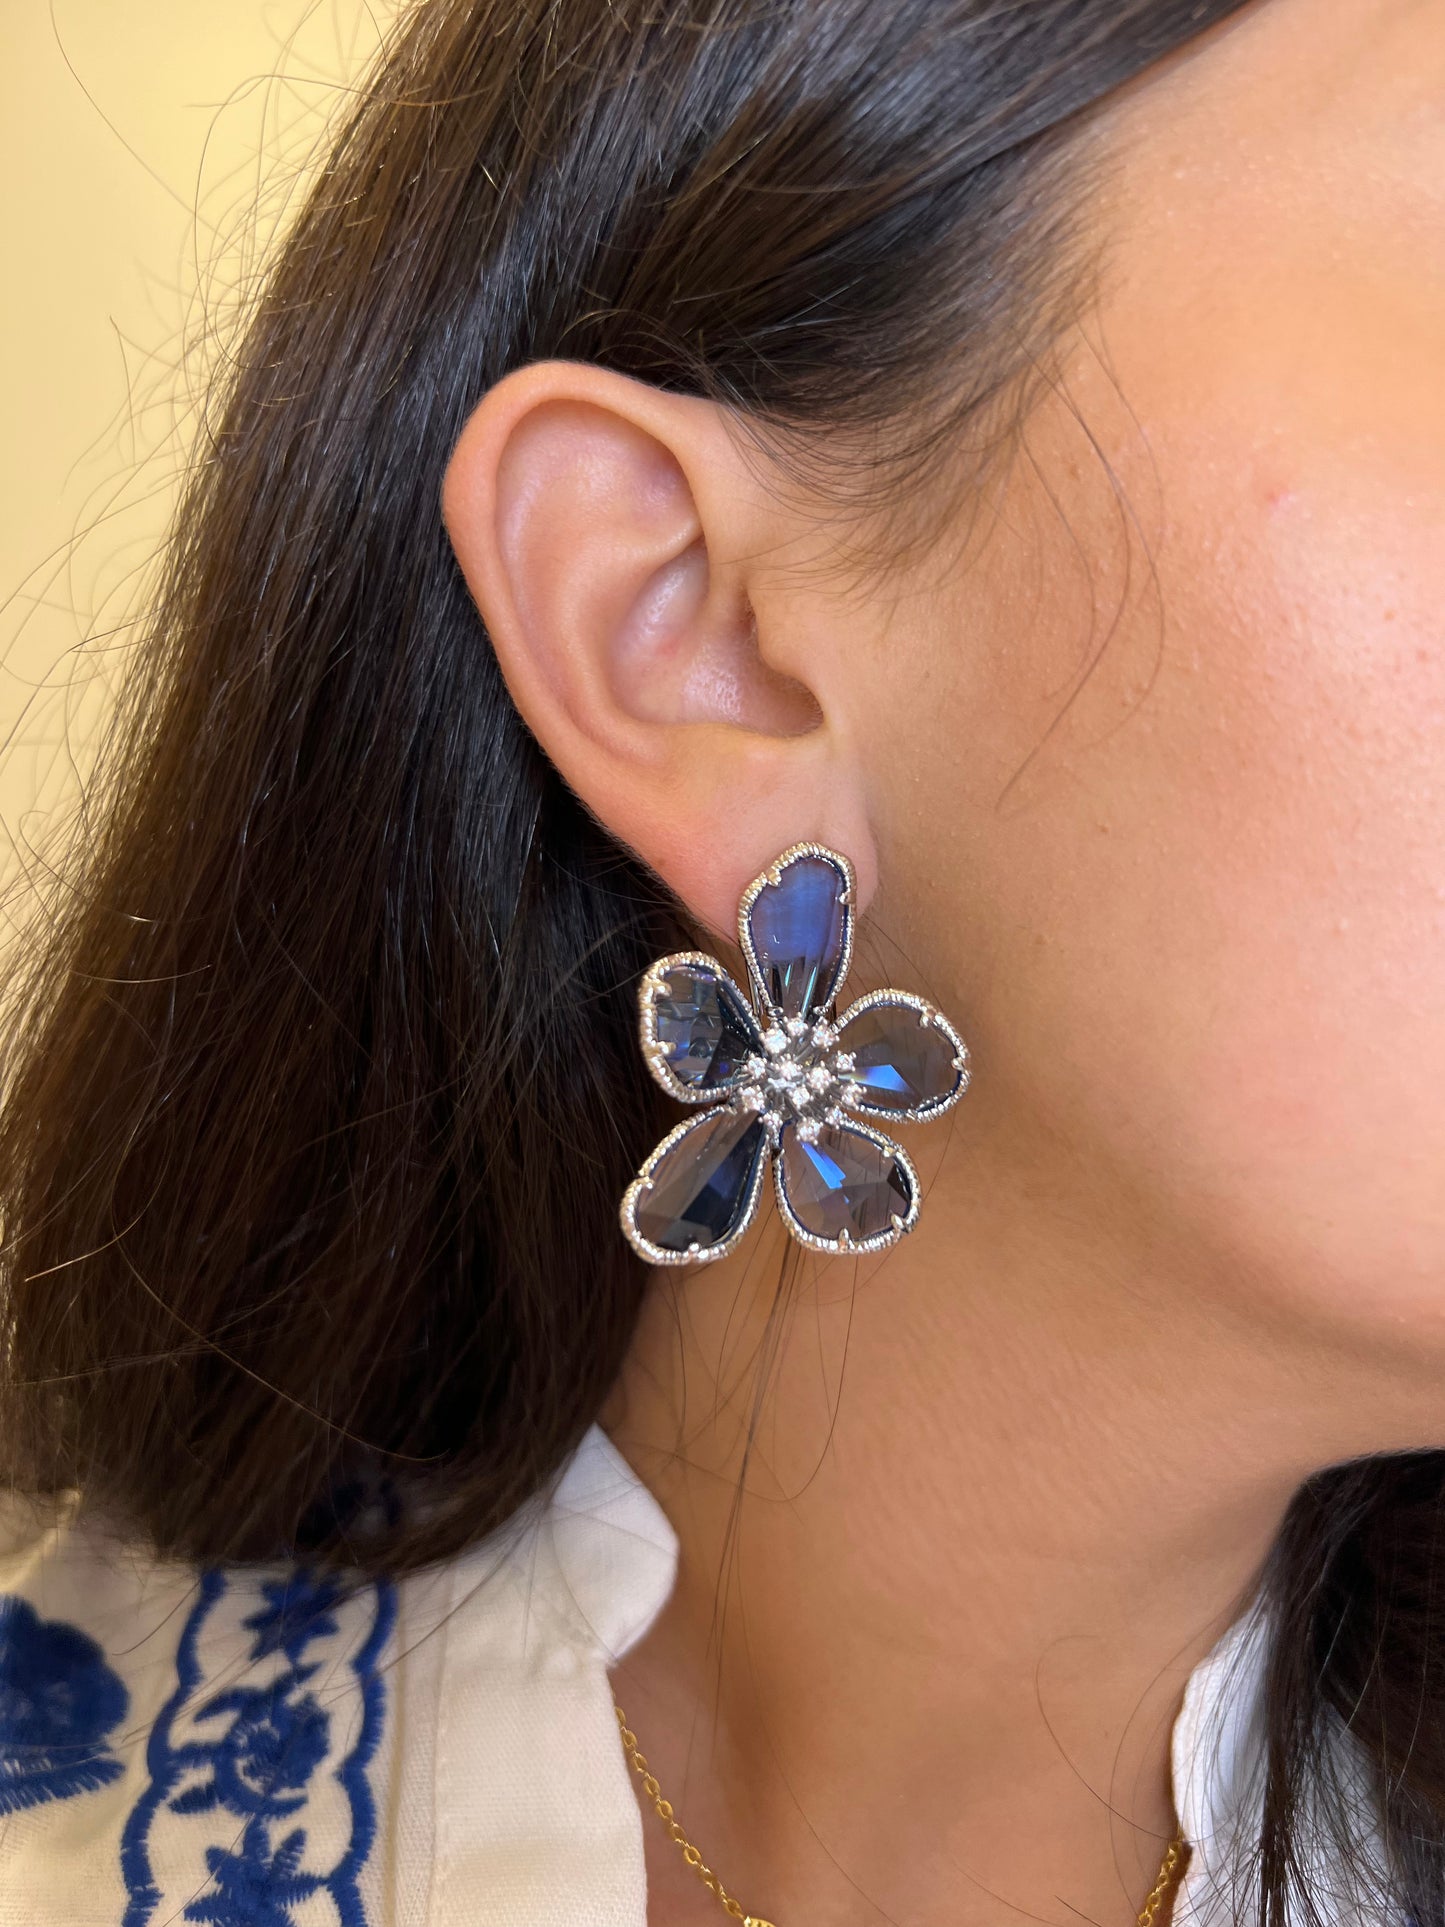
column 258, row 1886
column 299, row 1608
column 59, row 1701
column 257, row 1749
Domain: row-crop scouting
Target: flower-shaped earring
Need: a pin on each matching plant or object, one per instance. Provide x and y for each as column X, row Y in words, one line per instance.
column 778, row 1082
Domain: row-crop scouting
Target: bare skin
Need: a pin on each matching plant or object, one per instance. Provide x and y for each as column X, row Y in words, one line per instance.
column 1184, row 1240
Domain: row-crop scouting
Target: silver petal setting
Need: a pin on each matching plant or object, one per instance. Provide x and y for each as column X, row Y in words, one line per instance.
column 906, row 1062
column 848, row 1189
column 697, row 1194
column 697, row 1029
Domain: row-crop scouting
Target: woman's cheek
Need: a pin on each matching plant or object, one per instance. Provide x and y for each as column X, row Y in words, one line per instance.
column 1312, row 1097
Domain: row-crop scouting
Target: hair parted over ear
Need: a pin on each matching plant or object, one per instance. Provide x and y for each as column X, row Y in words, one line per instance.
column 323, row 1087
column 632, row 572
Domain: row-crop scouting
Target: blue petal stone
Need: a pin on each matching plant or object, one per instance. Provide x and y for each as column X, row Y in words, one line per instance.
column 901, row 1064
column 842, row 1181
column 798, row 926
column 703, row 1025
column 701, row 1188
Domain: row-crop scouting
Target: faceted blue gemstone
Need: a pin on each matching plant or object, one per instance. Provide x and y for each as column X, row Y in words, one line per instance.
column 798, row 926
column 702, row 1186
column 703, row 1025
column 900, row 1063
column 842, row 1181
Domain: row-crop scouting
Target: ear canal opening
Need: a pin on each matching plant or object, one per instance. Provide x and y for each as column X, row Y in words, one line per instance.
column 793, row 707
column 707, row 667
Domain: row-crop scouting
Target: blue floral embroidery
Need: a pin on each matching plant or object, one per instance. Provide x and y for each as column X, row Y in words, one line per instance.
column 245, row 1771
column 258, row 1886
column 263, row 1760
column 299, row 1608
column 59, row 1702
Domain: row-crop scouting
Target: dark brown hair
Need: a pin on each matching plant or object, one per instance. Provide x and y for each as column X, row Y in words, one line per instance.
column 324, row 1086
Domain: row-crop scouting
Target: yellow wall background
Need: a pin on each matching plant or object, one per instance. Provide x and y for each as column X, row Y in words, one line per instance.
column 147, row 147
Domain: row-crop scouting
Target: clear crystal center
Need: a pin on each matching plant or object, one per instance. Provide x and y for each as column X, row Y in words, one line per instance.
column 800, row 1077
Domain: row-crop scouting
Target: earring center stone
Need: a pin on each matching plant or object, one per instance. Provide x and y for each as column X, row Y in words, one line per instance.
column 799, row 1078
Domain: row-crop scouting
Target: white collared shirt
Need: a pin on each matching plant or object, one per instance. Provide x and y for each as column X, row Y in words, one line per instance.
column 245, row 1749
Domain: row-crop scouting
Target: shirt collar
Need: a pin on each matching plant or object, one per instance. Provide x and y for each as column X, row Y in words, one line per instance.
column 1217, row 1755
column 603, row 1554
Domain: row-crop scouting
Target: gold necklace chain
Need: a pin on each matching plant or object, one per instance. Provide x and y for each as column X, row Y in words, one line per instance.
column 676, row 1832
column 1174, row 1854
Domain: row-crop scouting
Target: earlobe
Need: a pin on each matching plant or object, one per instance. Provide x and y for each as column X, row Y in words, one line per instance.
column 610, row 535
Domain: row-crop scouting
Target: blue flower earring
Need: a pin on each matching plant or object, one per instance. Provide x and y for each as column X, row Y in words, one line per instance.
column 778, row 1075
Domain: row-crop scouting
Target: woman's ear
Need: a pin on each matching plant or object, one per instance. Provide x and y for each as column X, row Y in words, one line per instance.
column 630, row 567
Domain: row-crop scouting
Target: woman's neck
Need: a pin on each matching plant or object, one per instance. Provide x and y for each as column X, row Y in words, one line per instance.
column 1006, row 1487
